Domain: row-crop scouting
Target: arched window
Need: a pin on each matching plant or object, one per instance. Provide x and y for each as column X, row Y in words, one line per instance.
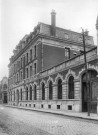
column 27, row 93
column 17, row 95
column 50, row 90
column 71, row 87
column 43, row 91
column 14, row 95
column 30, row 92
column 11, row 95
column 59, row 89
column 21, row 94
column 35, row 93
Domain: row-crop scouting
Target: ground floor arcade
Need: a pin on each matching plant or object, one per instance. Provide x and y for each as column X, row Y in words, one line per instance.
column 65, row 90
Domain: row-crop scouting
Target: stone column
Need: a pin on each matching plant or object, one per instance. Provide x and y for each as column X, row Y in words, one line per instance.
column 38, row 92
column 54, row 91
column 64, row 89
column 77, row 89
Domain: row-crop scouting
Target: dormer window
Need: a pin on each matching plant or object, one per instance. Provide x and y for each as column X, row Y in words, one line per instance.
column 67, row 52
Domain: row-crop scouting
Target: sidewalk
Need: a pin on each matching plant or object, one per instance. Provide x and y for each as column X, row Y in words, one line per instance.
column 59, row 112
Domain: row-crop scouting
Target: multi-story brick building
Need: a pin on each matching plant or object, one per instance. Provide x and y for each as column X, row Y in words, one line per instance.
column 47, row 69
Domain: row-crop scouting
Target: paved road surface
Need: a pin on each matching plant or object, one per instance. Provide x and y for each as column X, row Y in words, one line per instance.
column 20, row 122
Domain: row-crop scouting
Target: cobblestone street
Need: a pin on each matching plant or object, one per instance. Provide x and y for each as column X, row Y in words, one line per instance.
column 20, row 122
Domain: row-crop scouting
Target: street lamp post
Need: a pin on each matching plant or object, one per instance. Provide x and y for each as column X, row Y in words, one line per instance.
column 86, row 70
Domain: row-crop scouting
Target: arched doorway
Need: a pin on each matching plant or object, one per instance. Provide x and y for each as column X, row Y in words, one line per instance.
column 90, row 74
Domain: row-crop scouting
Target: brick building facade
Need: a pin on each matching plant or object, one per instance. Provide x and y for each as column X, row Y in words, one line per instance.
column 47, row 69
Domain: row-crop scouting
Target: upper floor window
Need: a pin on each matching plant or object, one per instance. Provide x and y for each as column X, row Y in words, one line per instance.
column 35, row 51
column 35, row 68
column 27, row 57
column 67, row 52
column 27, row 72
column 21, row 63
column 21, row 94
column 21, row 75
column 30, row 54
column 30, row 70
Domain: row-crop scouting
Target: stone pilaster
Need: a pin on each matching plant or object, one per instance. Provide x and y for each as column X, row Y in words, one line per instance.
column 77, row 89
column 54, row 92
column 64, row 89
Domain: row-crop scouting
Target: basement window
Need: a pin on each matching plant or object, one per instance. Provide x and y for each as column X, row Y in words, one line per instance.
column 49, row 106
column 58, row 106
column 41, row 105
column 69, row 107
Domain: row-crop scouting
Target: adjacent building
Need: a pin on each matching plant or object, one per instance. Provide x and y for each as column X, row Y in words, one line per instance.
column 3, row 90
column 47, row 69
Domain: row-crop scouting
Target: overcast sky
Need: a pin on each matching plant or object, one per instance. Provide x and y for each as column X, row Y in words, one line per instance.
column 19, row 17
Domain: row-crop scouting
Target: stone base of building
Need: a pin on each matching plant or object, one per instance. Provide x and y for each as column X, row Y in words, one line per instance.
column 65, row 105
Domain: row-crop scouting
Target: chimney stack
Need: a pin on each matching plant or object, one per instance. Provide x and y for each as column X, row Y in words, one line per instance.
column 97, row 33
column 53, row 22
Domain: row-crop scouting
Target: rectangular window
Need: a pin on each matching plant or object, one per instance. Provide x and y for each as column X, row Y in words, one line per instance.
column 58, row 106
column 34, row 68
column 31, row 55
column 49, row 106
column 41, row 105
column 30, row 70
column 27, row 72
column 35, row 51
column 27, row 58
column 67, row 52
column 21, row 62
column 21, row 75
column 69, row 107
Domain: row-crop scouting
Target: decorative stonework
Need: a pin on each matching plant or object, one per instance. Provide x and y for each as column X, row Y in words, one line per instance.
column 35, row 83
column 70, row 72
column 90, row 67
column 57, row 77
column 42, row 81
column 49, row 79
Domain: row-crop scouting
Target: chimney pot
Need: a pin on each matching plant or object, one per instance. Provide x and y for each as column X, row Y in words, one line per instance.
column 53, row 22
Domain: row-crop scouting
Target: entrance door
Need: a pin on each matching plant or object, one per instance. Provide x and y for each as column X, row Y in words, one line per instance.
column 84, row 97
column 91, row 74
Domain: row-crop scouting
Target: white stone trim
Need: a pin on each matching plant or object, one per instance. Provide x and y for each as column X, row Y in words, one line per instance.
column 70, row 73
column 57, row 77
column 89, row 67
column 49, row 79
